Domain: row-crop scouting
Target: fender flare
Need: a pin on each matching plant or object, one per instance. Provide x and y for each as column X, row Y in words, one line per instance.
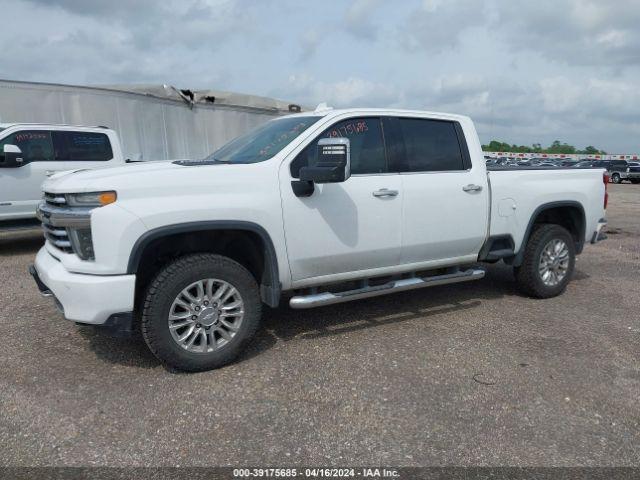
column 270, row 287
column 517, row 260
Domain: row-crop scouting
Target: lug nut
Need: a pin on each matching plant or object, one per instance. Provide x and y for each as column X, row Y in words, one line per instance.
column 215, row 304
column 206, row 303
column 198, row 325
column 197, row 309
column 195, row 317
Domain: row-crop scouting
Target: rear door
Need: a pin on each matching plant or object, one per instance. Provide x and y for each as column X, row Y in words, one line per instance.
column 76, row 149
column 445, row 198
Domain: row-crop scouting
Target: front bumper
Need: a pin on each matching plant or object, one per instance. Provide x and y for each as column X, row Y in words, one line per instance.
column 599, row 234
column 90, row 299
column 633, row 175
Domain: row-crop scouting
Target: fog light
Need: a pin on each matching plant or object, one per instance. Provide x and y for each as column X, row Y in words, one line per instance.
column 82, row 243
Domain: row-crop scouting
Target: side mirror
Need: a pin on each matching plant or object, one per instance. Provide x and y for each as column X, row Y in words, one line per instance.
column 12, row 157
column 333, row 164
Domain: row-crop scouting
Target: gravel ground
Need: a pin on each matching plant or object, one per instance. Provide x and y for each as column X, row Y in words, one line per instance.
column 472, row 374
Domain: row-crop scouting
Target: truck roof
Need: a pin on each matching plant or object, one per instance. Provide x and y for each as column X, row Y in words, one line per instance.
column 53, row 125
column 323, row 110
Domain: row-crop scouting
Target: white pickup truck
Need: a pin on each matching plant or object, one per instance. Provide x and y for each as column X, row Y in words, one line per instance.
column 325, row 206
column 29, row 153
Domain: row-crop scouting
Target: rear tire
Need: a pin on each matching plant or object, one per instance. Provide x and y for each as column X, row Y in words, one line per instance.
column 548, row 263
column 221, row 328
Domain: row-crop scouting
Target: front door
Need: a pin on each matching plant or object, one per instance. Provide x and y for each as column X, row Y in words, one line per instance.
column 348, row 227
column 45, row 153
column 20, row 186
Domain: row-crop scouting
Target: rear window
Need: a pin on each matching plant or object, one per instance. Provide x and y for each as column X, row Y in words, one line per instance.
column 81, row 146
column 431, row 146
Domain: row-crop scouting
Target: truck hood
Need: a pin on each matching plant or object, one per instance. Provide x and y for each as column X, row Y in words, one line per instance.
column 139, row 176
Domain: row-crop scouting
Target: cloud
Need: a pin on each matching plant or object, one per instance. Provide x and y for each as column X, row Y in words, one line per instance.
column 352, row 91
column 576, row 32
column 617, row 100
column 128, row 42
column 438, row 24
column 309, row 43
column 358, row 19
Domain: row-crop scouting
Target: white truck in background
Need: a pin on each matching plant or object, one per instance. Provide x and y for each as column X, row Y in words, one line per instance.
column 29, row 153
column 327, row 206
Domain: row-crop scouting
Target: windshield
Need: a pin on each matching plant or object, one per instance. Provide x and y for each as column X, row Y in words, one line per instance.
column 263, row 142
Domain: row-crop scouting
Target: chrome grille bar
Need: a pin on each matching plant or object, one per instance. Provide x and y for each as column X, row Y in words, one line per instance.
column 55, row 199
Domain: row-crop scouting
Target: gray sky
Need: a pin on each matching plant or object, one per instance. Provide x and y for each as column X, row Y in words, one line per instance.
column 525, row 71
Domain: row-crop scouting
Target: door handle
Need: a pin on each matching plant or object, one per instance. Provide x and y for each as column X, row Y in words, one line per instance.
column 472, row 188
column 48, row 173
column 385, row 192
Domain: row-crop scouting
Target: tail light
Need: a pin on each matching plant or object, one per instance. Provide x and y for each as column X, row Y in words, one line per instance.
column 605, row 179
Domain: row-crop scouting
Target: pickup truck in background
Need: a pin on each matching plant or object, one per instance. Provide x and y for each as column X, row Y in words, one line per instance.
column 29, row 153
column 326, row 207
column 620, row 170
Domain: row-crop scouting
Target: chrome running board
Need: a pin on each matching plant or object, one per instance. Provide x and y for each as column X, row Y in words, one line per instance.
column 328, row 298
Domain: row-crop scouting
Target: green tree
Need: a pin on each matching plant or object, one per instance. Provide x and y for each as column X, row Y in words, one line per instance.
column 556, row 147
column 591, row 150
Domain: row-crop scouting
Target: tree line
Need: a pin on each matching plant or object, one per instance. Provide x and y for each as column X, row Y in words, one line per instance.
column 555, row 147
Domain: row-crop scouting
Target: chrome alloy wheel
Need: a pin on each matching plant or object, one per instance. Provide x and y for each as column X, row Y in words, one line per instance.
column 554, row 262
column 206, row 315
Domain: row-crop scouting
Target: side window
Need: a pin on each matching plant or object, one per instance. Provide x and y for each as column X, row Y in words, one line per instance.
column 35, row 145
column 431, row 146
column 82, row 146
column 367, row 146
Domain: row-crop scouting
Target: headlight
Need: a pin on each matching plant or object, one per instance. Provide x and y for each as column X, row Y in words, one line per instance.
column 92, row 199
column 628, row 169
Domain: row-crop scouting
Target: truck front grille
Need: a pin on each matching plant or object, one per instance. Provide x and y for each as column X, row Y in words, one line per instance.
column 57, row 236
column 60, row 221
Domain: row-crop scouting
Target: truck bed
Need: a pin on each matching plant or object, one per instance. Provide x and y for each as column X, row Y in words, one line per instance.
column 518, row 192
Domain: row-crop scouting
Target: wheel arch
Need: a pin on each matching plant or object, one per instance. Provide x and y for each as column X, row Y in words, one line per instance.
column 270, row 288
column 568, row 214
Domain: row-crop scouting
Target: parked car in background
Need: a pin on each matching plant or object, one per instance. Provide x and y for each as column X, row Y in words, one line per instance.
column 588, row 163
column 618, row 170
column 29, row 153
column 322, row 205
column 568, row 162
column 633, row 172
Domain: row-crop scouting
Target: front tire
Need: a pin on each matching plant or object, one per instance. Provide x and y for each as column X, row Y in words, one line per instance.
column 615, row 178
column 200, row 312
column 548, row 262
